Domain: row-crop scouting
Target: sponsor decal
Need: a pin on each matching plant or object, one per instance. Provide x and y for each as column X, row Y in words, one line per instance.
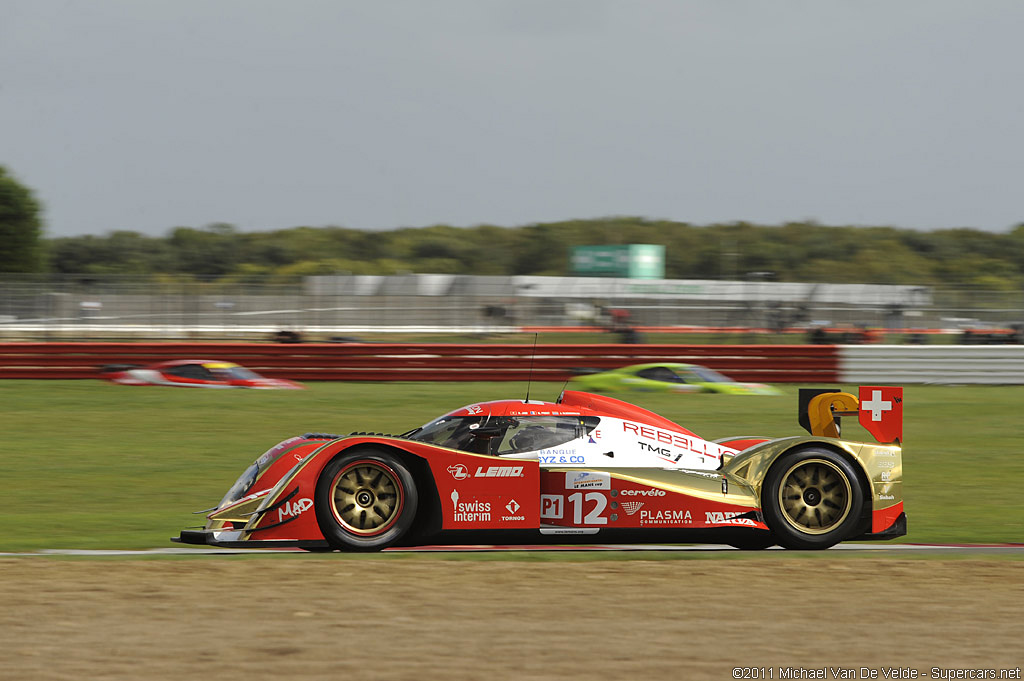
column 470, row 511
column 703, row 474
column 642, row 492
column 458, row 471
column 679, row 440
column 559, row 451
column 673, row 517
column 587, row 480
column 631, row 507
column 561, row 459
column 886, row 497
column 552, row 506
column 499, row 472
column 886, row 464
column 886, row 476
column 294, row 508
column 475, row 409
column 720, row 518
column 560, row 455
column 660, row 451
column 512, row 506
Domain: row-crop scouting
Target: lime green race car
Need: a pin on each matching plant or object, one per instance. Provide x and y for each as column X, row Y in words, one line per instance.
column 667, row 378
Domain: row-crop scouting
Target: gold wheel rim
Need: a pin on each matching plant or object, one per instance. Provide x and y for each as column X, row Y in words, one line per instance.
column 815, row 496
column 366, row 498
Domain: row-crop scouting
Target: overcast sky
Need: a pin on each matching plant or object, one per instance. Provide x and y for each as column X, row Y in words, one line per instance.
column 147, row 115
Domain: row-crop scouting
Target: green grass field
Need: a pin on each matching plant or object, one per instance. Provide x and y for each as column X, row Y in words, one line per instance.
column 88, row 464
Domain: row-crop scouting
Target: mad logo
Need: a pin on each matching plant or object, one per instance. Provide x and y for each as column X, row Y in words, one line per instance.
column 292, row 509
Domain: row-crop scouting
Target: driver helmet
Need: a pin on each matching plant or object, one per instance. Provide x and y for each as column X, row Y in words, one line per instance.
column 532, row 438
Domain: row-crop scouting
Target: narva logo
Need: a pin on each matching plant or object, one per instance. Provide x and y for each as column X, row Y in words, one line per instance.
column 499, row 472
column 719, row 518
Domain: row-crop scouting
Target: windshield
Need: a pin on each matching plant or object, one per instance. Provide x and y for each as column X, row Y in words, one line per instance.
column 709, row 375
column 504, row 434
column 236, row 373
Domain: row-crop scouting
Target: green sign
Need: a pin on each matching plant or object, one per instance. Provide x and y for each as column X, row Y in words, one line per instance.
column 633, row 261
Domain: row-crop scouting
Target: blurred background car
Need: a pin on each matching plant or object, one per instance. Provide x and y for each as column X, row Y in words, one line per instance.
column 194, row 373
column 670, row 377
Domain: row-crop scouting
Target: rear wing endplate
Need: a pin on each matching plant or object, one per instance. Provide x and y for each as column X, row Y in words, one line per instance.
column 878, row 408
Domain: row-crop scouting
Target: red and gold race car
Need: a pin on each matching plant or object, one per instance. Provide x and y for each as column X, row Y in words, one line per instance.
column 585, row 469
column 194, row 373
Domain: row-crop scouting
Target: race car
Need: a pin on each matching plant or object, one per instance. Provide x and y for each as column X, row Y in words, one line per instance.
column 583, row 469
column 668, row 378
column 194, row 373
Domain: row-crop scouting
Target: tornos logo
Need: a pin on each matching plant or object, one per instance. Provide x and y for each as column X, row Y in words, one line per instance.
column 293, row 508
column 512, row 506
column 458, row 471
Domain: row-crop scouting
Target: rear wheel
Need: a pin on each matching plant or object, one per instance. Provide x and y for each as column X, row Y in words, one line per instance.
column 365, row 500
column 812, row 499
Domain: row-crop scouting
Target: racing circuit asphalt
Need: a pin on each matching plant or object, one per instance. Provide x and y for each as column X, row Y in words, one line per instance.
column 866, row 549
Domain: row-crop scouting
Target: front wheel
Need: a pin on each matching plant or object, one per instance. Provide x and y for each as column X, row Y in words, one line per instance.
column 365, row 500
column 812, row 499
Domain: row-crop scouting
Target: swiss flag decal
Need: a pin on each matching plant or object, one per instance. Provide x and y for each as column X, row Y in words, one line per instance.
column 881, row 412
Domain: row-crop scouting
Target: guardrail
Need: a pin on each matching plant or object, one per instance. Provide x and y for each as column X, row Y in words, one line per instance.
column 901, row 364
column 425, row 362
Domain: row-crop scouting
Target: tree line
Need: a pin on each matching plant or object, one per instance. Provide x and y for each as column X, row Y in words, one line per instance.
column 796, row 251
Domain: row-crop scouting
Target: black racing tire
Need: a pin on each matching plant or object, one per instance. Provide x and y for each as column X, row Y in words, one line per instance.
column 365, row 500
column 812, row 498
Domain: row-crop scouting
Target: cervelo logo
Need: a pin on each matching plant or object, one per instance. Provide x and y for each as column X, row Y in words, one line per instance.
column 293, row 508
column 642, row 492
column 720, row 518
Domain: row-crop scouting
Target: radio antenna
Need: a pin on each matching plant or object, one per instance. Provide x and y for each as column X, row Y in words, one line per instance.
column 533, row 357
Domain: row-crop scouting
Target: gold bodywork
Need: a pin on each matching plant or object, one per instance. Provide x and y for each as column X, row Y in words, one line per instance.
column 881, row 465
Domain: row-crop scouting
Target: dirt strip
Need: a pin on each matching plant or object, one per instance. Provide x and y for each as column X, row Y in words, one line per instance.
column 340, row 618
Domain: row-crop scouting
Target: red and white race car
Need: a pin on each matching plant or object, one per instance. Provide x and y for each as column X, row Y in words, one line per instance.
column 194, row 373
column 586, row 468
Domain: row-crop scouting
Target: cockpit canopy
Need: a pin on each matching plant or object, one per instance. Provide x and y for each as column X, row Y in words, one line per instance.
column 504, row 435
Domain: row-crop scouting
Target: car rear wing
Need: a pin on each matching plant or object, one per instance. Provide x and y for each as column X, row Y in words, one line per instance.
column 878, row 408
